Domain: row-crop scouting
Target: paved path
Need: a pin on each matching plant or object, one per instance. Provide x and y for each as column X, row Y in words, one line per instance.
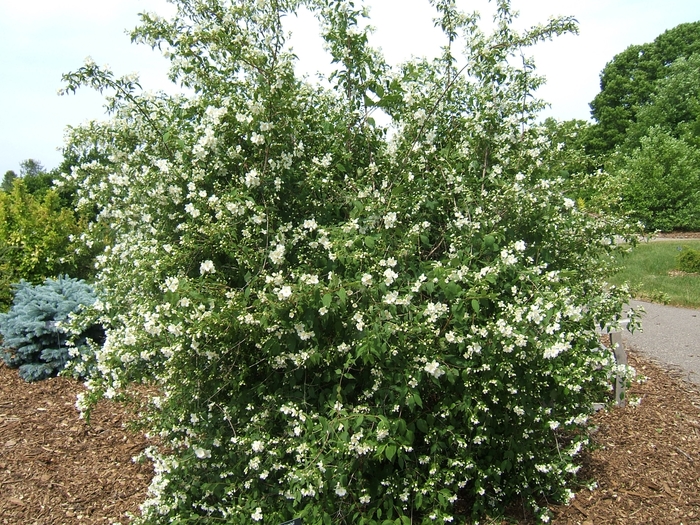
column 670, row 335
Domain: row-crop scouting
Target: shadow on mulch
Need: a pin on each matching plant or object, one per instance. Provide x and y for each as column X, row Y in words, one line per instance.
column 55, row 469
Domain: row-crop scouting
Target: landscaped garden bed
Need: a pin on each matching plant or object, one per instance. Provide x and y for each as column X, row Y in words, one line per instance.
column 56, row 469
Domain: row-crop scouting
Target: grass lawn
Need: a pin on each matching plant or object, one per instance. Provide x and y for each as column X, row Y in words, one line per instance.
column 652, row 272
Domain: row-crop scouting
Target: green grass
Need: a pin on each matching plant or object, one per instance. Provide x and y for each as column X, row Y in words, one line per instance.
column 652, row 273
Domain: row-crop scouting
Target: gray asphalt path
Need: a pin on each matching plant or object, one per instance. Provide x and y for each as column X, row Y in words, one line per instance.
column 669, row 335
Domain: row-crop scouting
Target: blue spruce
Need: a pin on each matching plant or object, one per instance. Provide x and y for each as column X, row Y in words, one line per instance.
column 32, row 336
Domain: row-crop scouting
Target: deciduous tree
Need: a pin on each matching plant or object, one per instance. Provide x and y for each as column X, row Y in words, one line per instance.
column 629, row 81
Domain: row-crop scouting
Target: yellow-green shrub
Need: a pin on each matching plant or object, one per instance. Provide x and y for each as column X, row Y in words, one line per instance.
column 35, row 238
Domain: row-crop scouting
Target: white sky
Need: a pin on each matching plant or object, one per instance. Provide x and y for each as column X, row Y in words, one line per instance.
column 42, row 39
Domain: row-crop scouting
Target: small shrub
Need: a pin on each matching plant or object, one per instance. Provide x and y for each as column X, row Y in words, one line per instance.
column 689, row 261
column 33, row 333
column 38, row 238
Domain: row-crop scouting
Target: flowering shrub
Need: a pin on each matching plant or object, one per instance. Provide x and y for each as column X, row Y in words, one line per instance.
column 348, row 322
column 34, row 337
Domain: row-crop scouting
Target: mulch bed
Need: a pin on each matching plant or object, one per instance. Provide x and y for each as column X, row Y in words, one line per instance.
column 55, row 469
column 647, row 461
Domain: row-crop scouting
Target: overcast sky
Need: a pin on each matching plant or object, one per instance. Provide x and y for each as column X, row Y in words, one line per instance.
column 41, row 39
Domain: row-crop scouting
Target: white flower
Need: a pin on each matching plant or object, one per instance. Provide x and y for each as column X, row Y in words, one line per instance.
column 257, row 515
column 389, row 276
column 556, row 349
column 310, row 224
column 359, row 322
column 202, row 453
column 284, row 293
column 189, row 208
column 434, row 310
column 366, row 279
column 252, row 179
column 391, row 297
column 257, row 446
column 309, row 279
column 340, row 491
column 416, row 286
column 568, row 203
column 129, row 338
column 277, row 255
column 257, row 139
column 365, row 499
column 207, row 267
column 172, row 283
column 519, row 246
column 508, row 258
column 302, row 333
column 433, row 368
column 390, row 220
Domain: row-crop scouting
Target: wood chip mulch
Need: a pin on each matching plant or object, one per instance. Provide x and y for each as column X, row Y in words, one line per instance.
column 55, row 469
column 647, row 461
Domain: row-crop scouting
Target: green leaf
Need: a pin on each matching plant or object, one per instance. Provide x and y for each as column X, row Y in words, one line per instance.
column 417, row 399
column 342, row 295
column 422, row 426
column 390, row 452
column 418, row 500
column 369, row 241
column 475, row 305
column 327, row 300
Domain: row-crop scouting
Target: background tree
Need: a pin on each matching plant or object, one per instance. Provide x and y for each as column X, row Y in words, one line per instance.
column 37, row 180
column 30, row 168
column 628, row 82
column 674, row 106
column 659, row 182
column 570, row 159
column 8, row 179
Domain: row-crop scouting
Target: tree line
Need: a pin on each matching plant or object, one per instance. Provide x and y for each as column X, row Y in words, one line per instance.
column 646, row 132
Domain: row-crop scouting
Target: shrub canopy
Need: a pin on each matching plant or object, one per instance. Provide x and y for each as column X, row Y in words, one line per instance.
column 346, row 321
